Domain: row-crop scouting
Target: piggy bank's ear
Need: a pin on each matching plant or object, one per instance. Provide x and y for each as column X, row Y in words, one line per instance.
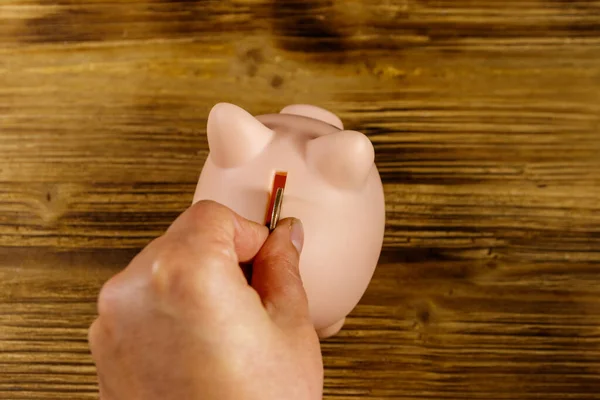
column 235, row 136
column 344, row 158
column 307, row 110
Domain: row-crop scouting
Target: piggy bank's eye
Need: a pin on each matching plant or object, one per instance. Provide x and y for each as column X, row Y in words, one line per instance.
column 234, row 136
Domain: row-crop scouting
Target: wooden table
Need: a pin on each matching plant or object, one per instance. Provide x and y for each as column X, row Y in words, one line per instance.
column 485, row 116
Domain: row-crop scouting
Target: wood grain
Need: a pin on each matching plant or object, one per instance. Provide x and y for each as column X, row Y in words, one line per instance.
column 486, row 122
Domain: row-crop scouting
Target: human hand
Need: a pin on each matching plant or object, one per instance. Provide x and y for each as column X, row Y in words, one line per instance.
column 181, row 322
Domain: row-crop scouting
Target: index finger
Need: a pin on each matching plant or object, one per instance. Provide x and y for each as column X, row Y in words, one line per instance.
column 195, row 262
column 212, row 224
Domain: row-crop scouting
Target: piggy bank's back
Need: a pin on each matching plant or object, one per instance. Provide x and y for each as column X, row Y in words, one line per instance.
column 332, row 186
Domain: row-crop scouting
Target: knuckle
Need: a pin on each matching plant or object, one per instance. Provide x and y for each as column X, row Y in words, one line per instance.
column 110, row 309
column 98, row 334
column 207, row 204
column 204, row 210
column 114, row 294
column 279, row 260
column 108, row 299
column 282, row 261
column 213, row 265
column 180, row 275
column 167, row 265
column 92, row 334
column 201, row 240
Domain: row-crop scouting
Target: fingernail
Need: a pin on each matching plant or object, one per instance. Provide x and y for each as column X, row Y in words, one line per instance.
column 297, row 234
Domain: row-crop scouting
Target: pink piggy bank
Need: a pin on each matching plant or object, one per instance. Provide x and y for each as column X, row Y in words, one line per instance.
column 333, row 187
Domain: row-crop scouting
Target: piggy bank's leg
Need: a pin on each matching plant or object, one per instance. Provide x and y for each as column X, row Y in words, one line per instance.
column 331, row 330
column 307, row 110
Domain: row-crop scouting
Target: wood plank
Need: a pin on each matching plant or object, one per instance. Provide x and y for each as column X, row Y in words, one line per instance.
column 423, row 330
column 474, row 114
column 485, row 116
column 514, row 221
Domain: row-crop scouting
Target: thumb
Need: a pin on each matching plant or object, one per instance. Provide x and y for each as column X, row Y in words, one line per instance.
column 276, row 274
